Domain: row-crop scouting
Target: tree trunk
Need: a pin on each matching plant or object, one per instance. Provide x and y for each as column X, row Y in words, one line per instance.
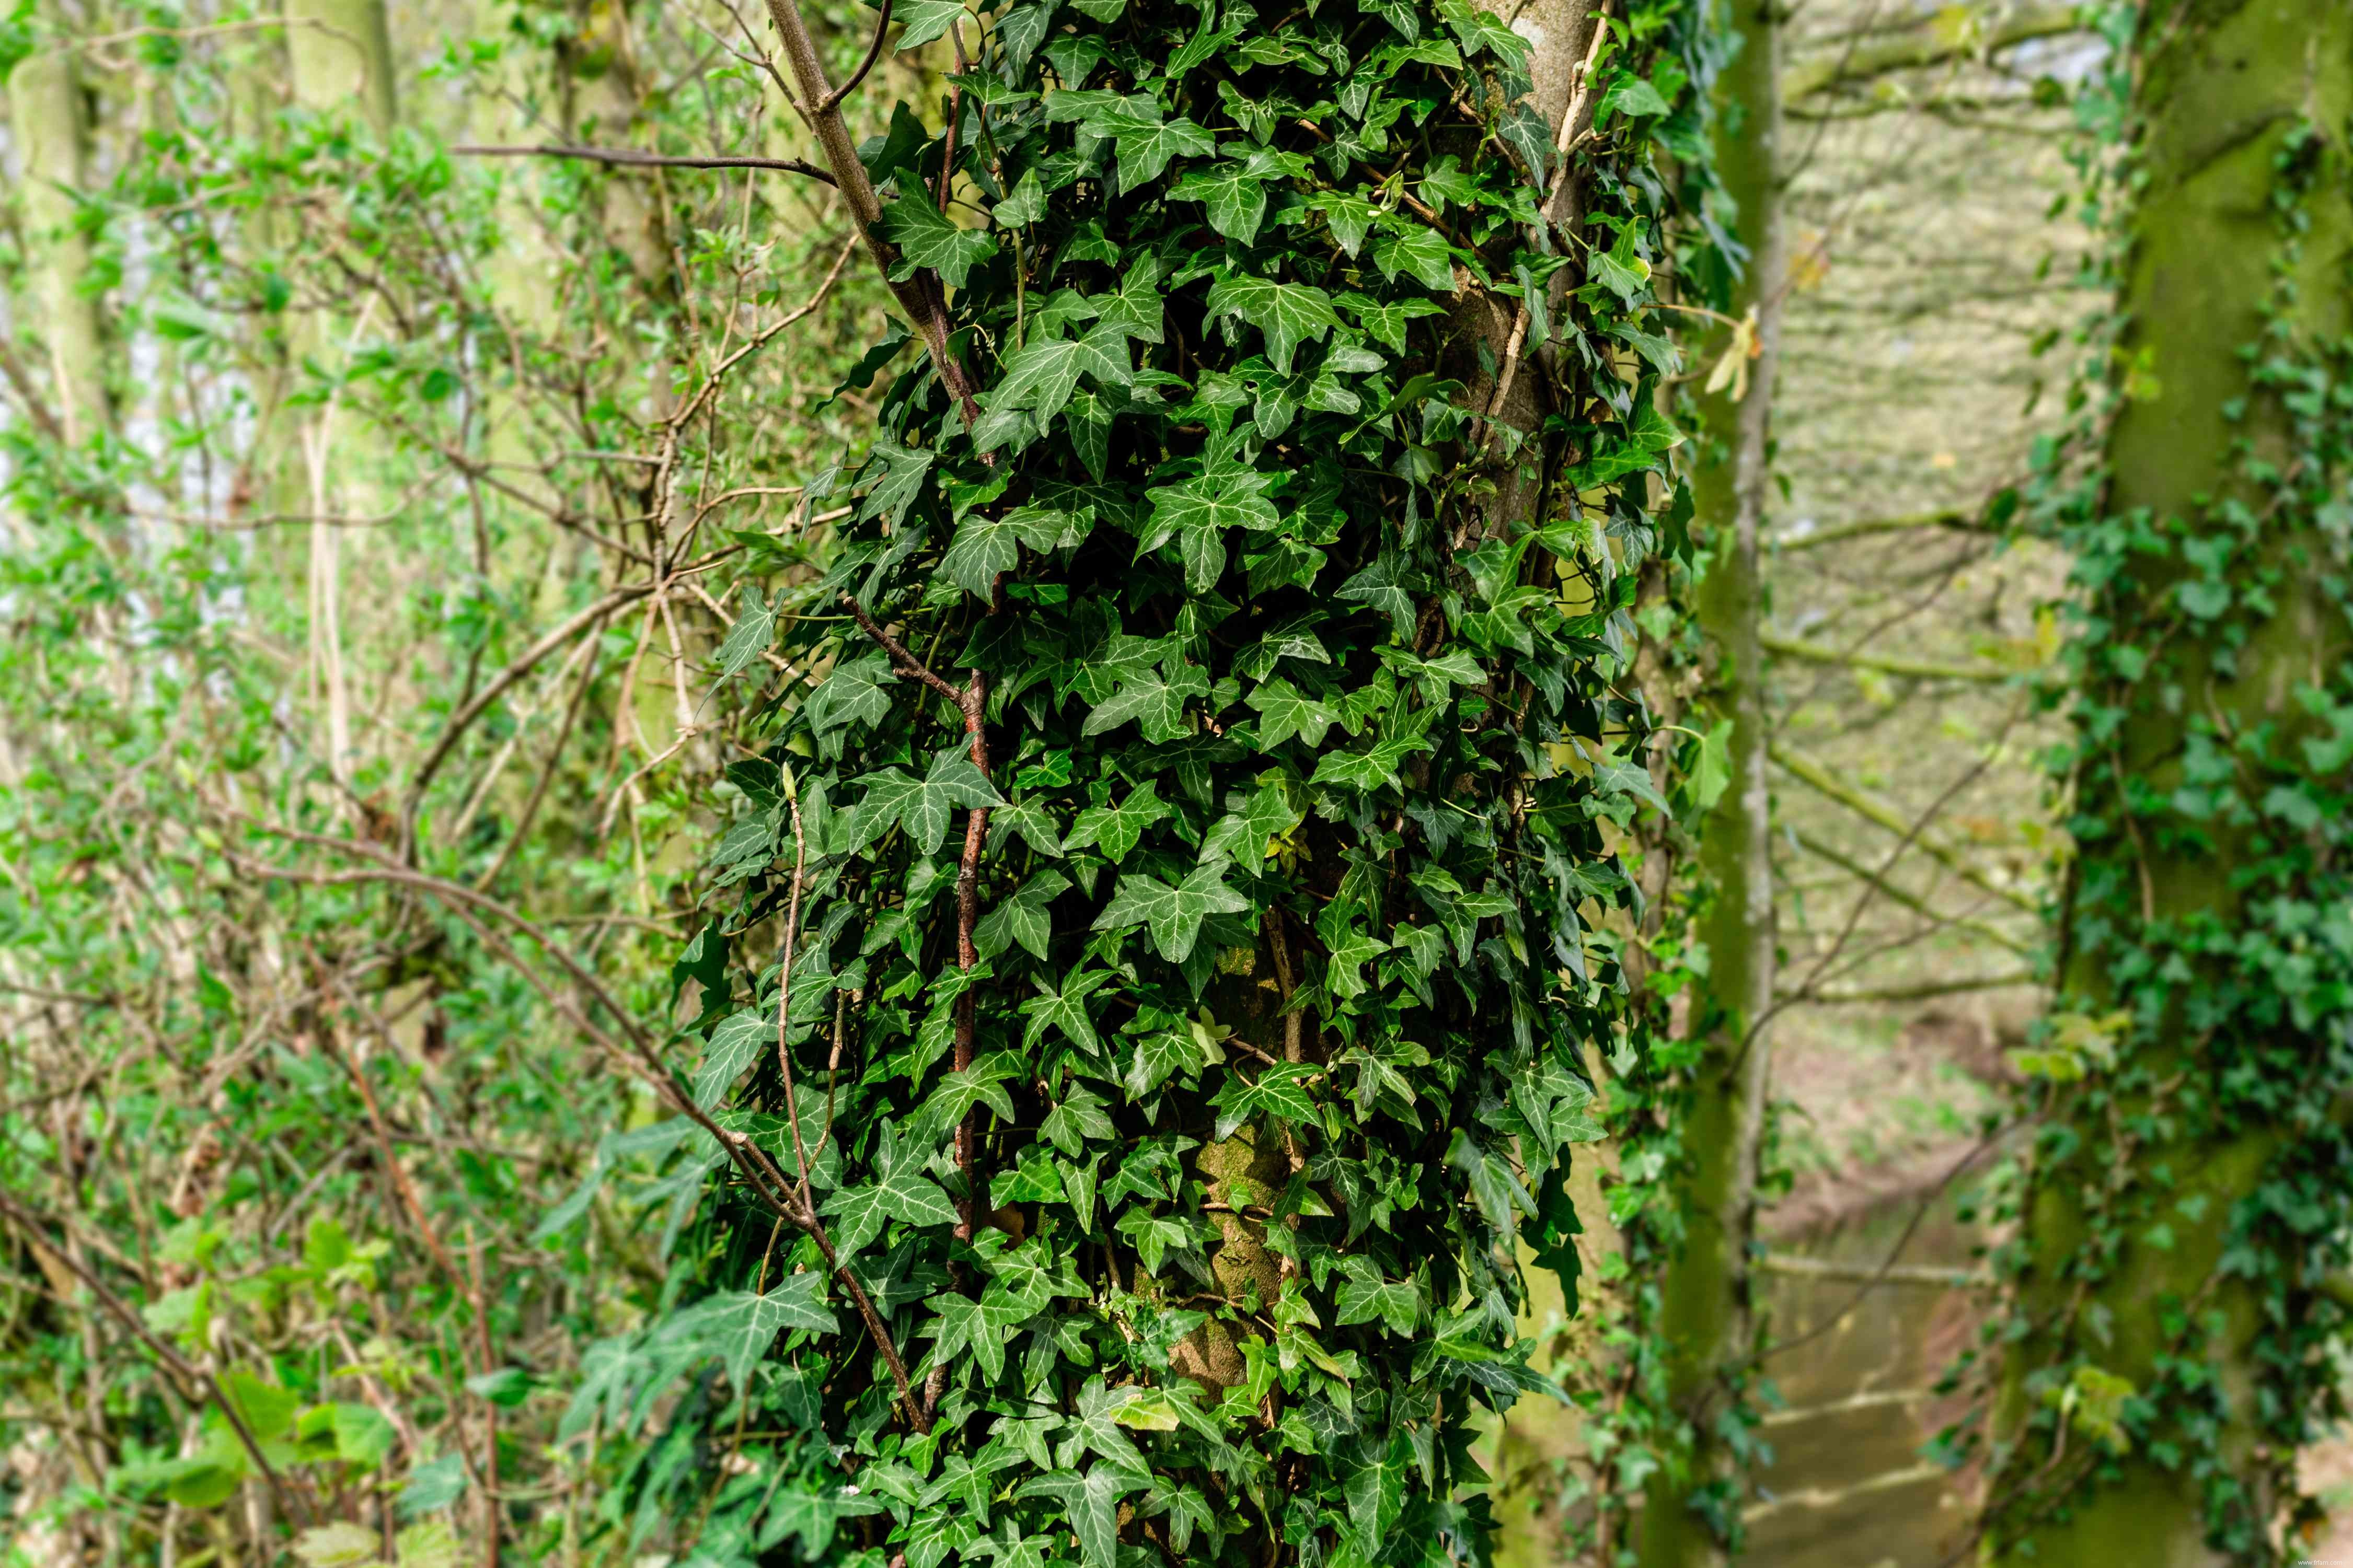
column 1704, row 1306
column 46, row 118
column 2150, row 1255
column 340, row 51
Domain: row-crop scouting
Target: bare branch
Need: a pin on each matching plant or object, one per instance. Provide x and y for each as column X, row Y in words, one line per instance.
column 1928, row 44
column 873, row 53
column 1817, row 776
column 630, row 157
column 1912, row 668
column 920, row 295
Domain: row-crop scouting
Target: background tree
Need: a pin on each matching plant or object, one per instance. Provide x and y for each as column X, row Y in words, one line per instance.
column 2181, row 1216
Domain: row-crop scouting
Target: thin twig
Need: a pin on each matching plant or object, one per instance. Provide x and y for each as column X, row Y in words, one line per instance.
column 632, row 158
column 873, row 53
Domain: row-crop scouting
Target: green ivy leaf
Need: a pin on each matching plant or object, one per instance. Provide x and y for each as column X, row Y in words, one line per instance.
column 927, row 239
column 1287, row 314
column 1173, row 915
column 1021, row 918
column 924, row 805
column 1066, row 1010
column 1280, row 1091
column 986, row 546
column 924, row 20
column 755, row 629
column 1115, row 829
column 738, row 1326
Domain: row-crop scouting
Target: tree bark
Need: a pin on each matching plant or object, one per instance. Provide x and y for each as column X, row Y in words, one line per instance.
column 2223, row 86
column 46, row 121
column 1705, row 1308
column 340, row 52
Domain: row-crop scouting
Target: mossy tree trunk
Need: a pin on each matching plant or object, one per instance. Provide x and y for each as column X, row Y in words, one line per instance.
column 1704, row 1300
column 2152, row 1399
column 47, row 120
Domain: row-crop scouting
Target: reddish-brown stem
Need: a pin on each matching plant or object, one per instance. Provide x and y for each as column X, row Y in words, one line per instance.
column 972, row 701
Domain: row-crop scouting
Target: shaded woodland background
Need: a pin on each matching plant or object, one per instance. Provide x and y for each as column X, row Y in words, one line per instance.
column 407, row 499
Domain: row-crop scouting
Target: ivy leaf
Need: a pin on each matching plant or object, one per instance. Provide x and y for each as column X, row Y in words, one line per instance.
column 982, row 1327
column 1024, row 204
column 1370, row 769
column 925, row 20
column 1138, row 310
column 1078, row 1115
column 812, row 1516
column 903, row 471
column 1159, row 1056
column 1145, row 142
column 1197, row 513
column 1292, row 639
column 1173, row 915
column 1421, row 253
column 1065, row 1010
column 904, row 1194
column 1350, row 218
column 738, row 1326
column 1115, row 829
column 1092, row 1504
column 1042, row 376
column 1285, row 711
column 1232, row 197
column 982, row 1083
column 735, row 1045
column 1030, row 820
column 1382, row 586
column 1364, row 1296
column 1021, row 918
column 1249, row 835
column 1376, row 1494
column 922, row 806
column 1156, row 703
column 986, row 546
column 1288, row 314
column 856, row 692
column 1280, row 1091
column 927, row 238
column 1387, row 320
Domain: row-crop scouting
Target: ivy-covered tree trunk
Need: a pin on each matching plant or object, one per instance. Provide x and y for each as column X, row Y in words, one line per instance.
column 1191, row 874
column 45, row 120
column 1705, row 1306
column 2186, row 1199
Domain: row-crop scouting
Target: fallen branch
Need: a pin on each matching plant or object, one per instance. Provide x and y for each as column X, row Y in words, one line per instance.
column 1921, row 991
column 1871, row 1274
column 1953, row 517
